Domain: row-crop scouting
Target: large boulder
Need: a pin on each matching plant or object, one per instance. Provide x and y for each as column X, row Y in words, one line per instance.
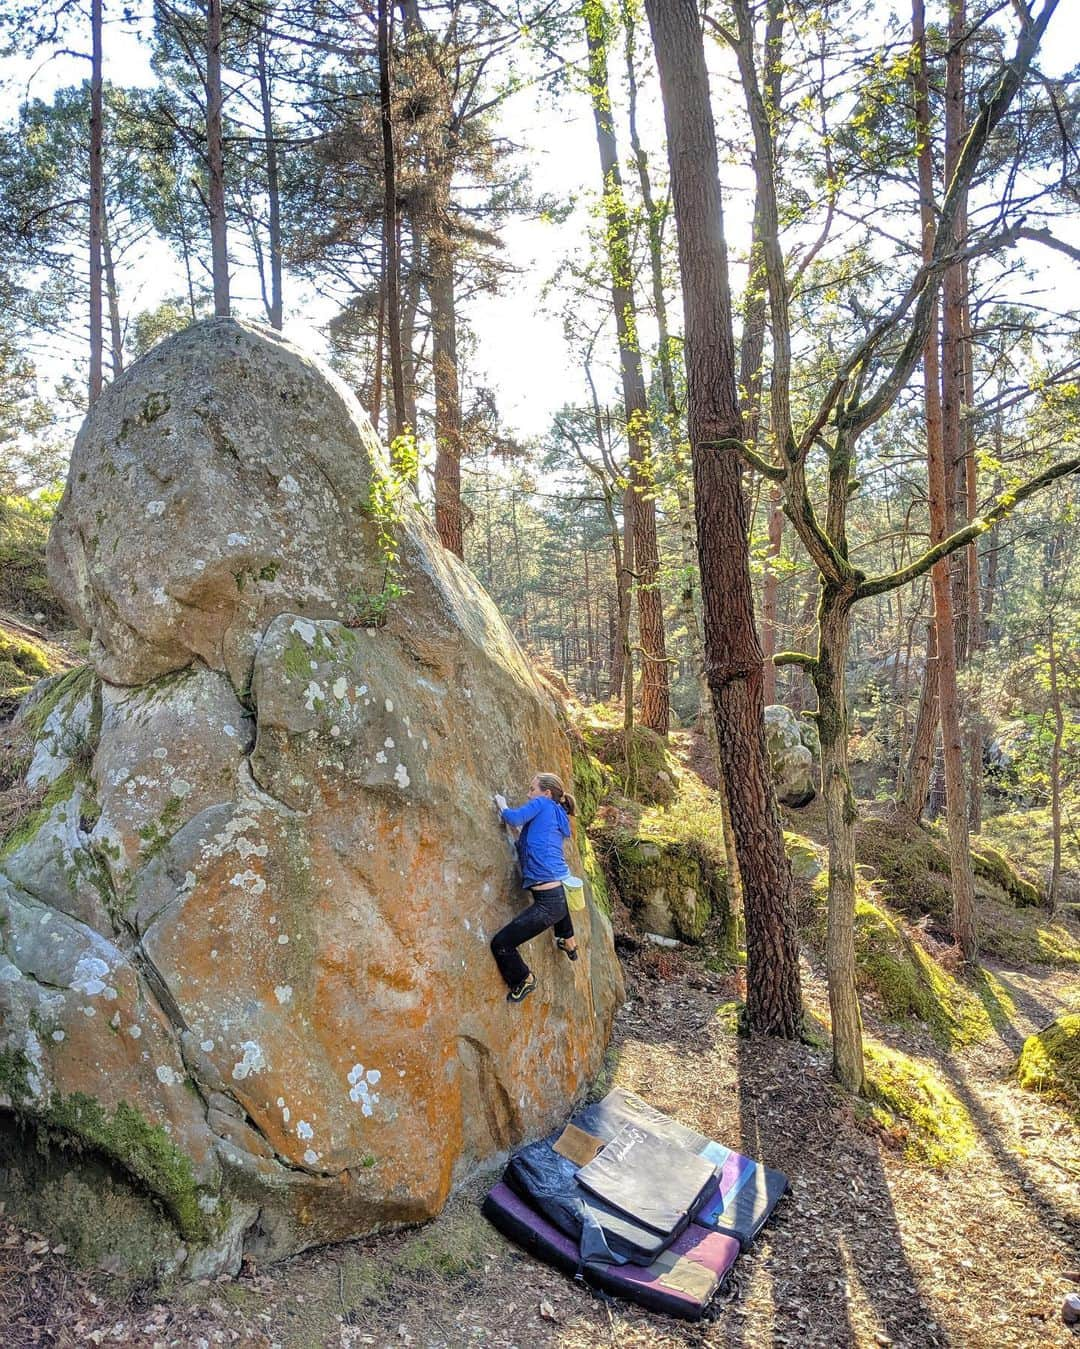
column 244, row 927
column 792, row 745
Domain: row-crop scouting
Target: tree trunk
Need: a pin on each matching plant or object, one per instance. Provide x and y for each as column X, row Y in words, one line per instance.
column 112, row 298
column 1054, row 889
column 409, row 305
column 655, row 704
column 215, row 157
column 834, row 627
column 392, row 278
column 96, row 199
column 963, row 882
column 769, row 595
column 448, row 516
column 914, row 785
column 732, row 651
column 276, row 310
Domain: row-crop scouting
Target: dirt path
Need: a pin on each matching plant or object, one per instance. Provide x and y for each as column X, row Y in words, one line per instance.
column 868, row 1249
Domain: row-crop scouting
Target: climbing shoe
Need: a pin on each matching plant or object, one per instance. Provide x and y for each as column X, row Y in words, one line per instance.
column 523, row 990
column 569, row 951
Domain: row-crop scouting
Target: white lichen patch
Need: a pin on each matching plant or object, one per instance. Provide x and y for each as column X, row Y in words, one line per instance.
column 304, row 1130
column 289, row 484
column 304, row 630
column 135, row 1032
column 88, row 976
column 389, row 705
column 312, row 694
column 283, row 993
column 253, row 1060
column 283, row 940
column 388, row 743
column 246, row 848
column 237, row 540
column 401, row 776
column 311, row 1157
column 155, row 509
column 180, row 787
column 380, row 757
column 341, row 687
column 249, row 881
column 206, row 1046
column 58, row 1035
column 360, row 1084
column 166, row 1075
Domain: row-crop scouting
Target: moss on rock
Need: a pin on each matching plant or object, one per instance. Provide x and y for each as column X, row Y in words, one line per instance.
column 910, row 1103
column 911, row 984
column 1049, row 1063
column 592, row 782
column 669, row 866
column 915, row 865
column 653, row 778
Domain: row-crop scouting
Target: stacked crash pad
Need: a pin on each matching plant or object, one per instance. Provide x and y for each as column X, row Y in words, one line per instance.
column 636, row 1204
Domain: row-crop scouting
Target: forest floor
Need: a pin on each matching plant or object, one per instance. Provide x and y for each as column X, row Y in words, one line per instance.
column 868, row 1249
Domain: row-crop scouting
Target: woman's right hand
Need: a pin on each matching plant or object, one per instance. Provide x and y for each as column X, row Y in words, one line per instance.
column 500, row 802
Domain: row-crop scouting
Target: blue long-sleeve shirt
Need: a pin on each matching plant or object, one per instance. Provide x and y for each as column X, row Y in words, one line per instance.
column 544, row 825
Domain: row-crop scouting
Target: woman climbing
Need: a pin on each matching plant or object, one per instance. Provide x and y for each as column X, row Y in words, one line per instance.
column 544, row 822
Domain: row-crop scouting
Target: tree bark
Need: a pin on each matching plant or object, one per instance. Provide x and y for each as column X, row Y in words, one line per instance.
column 448, row 515
column 276, row 311
column 732, row 651
column 655, row 697
column 770, row 594
column 97, row 197
column 963, row 881
column 392, row 279
column 112, row 299
column 215, row 157
column 829, row 674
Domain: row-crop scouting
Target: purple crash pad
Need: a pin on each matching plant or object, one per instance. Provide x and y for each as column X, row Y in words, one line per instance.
column 680, row 1282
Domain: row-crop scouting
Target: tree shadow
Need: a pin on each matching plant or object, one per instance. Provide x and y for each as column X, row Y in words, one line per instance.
column 835, row 1243
column 1047, row 1211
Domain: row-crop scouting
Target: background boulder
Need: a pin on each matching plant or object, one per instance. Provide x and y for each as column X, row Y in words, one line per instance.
column 244, row 930
column 792, row 745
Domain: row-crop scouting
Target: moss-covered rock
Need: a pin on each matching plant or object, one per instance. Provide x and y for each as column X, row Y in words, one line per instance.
column 668, row 865
column 86, row 1202
column 909, row 983
column 908, row 1100
column 592, row 782
column 1049, row 1063
column 652, row 776
column 914, row 863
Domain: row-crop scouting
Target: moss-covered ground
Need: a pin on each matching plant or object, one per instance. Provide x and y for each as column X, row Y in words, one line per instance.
column 910, row 1101
column 1049, row 1062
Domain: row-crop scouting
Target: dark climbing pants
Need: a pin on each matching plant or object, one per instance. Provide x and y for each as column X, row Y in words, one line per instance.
column 548, row 909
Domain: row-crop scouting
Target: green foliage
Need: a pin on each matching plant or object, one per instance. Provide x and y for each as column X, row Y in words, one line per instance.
column 909, row 1101
column 1049, row 1063
column 22, row 662
column 24, row 532
column 386, row 495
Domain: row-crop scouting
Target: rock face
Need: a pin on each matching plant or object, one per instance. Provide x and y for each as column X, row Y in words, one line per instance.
column 245, row 931
column 792, row 745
